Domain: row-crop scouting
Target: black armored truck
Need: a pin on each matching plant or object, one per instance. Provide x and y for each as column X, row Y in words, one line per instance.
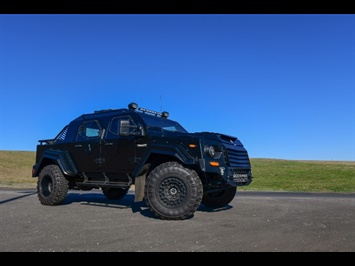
column 172, row 170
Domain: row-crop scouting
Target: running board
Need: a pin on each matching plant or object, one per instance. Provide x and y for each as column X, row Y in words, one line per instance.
column 104, row 184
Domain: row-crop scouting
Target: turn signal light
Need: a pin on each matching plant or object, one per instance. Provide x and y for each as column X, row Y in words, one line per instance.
column 191, row 145
column 214, row 164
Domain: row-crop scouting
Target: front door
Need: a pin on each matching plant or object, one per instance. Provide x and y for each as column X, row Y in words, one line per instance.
column 119, row 151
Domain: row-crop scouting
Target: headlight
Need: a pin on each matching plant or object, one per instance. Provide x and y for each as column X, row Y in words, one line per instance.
column 210, row 150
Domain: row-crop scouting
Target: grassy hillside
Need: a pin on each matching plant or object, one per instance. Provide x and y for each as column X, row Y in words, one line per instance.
column 307, row 176
column 269, row 174
column 16, row 169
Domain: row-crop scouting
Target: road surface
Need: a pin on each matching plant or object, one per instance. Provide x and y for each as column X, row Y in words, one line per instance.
column 253, row 222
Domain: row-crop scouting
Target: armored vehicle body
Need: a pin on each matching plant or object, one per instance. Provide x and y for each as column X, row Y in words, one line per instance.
column 172, row 170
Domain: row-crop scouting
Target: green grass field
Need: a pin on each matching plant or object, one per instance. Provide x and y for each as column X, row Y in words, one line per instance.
column 269, row 174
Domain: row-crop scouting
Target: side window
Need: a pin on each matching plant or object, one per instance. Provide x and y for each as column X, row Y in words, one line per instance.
column 89, row 130
column 114, row 127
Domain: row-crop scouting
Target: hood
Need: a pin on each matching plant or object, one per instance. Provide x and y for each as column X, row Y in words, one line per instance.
column 225, row 139
column 219, row 137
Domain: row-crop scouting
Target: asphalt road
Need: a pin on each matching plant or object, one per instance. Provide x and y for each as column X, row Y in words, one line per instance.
column 253, row 222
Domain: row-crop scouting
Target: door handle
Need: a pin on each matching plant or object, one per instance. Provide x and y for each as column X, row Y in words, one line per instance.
column 108, row 144
column 78, row 146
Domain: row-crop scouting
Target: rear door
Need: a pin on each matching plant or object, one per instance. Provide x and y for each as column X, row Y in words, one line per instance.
column 86, row 149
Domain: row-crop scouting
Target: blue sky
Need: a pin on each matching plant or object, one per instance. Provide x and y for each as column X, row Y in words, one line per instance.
column 284, row 84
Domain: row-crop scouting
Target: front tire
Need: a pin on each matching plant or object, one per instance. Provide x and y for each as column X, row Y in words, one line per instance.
column 173, row 192
column 52, row 186
column 219, row 199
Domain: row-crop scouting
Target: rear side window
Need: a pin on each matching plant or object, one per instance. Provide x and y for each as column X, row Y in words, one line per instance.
column 89, row 130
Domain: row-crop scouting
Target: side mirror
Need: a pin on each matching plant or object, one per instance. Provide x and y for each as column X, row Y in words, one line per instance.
column 124, row 127
column 127, row 129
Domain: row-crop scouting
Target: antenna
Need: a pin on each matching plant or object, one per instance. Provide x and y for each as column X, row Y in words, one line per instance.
column 161, row 108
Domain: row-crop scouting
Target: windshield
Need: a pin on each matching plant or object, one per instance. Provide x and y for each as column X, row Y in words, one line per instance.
column 162, row 123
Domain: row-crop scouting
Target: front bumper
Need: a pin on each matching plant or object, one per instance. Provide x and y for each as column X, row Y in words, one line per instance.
column 239, row 177
column 234, row 176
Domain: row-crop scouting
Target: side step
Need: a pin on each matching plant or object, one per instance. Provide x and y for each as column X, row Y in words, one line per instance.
column 104, row 184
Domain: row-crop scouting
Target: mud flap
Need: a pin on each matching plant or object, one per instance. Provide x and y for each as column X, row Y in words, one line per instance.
column 139, row 184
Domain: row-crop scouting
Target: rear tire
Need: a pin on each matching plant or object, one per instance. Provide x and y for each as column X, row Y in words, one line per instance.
column 52, row 186
column 219, row 199
column 114, row 193
column 173, row 192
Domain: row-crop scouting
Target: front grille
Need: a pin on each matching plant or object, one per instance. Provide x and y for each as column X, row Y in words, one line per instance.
column 241, row 171
column 238, row 158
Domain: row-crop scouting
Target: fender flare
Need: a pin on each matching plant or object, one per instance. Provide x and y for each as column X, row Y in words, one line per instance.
column 62, row 159
column 171, row 151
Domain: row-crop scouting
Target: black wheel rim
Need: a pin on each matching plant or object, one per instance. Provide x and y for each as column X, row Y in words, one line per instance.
column 172, row 191
column 46, row 186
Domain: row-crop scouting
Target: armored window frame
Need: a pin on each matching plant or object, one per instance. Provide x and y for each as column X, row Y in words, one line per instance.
column 89, row 130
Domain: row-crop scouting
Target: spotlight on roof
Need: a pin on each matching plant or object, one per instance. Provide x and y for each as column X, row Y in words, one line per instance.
column 132, row 106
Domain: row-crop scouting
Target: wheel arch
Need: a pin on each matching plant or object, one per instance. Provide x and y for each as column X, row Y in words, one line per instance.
column 60, row 158
column 155, row 157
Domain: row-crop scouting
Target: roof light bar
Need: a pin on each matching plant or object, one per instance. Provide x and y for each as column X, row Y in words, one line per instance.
column 163, row 114
column 134, row 106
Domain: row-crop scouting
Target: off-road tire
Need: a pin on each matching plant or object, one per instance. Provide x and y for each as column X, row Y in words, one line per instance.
column 114, row 193
column 52, row 186
column 219, row 199
column 173, row 192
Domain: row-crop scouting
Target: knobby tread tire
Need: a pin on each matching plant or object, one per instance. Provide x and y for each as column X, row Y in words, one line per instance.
column 173, row 192
column 52, row 186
